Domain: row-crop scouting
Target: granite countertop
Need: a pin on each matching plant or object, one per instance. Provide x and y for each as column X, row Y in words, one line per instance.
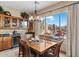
column 5, row 35
column 8, row 34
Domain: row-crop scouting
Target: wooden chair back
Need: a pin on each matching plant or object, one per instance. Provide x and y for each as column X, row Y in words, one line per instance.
column 26, row 49
column 56, row 49
column 41, row 36
column 20, row 49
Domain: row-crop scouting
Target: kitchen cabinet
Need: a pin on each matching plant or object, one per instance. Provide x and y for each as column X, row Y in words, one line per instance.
column 1, row 48
column 20, row 23
column 0, row 22
column 14, row 22
column 6, row 22
column 10, row 22
column 5, row 42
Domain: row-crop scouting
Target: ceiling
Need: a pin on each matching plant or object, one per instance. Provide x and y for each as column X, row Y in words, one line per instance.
column 27, row 6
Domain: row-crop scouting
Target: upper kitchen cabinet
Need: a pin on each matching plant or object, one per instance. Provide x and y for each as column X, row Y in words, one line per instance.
column 12, row 22
column 1, row 43
column 20, row 23
column 6, row 22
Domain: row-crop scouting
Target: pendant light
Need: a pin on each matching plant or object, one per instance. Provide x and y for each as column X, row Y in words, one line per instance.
column 35, row 17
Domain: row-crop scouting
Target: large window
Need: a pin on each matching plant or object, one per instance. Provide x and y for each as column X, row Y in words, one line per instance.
column 56, row 23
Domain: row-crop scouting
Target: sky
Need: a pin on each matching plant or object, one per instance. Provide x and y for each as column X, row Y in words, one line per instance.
column 54, row 19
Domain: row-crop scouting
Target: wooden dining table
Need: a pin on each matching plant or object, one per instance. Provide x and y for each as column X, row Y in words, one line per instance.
column 39, row 47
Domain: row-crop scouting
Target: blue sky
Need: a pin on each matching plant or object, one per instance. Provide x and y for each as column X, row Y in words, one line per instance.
column 54, row 19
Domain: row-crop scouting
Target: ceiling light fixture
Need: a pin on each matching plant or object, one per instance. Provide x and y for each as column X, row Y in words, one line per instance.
column 35, row 17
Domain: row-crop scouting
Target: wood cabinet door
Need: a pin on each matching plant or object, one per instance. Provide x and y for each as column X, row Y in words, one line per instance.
column 4, row 43
column 7, row 42
column 14, row 22
column 1, row 43
column 0, row 22
column 6, row 22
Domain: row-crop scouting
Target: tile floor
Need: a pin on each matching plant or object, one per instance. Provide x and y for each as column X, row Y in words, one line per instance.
column 14, row 53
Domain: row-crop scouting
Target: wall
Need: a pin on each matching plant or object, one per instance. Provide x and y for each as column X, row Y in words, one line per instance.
column 14, row 12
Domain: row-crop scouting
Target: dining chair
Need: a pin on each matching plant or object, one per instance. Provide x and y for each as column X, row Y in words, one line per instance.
column 25, row 49
column 41, row 36
column 47, row 38
column 54, row 51
column 20, row 54
column 44, row 37
column 30, row 34
column 20, row 46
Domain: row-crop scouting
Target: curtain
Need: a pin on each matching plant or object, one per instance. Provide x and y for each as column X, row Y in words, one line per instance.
column 73, row 31
column 77, row 41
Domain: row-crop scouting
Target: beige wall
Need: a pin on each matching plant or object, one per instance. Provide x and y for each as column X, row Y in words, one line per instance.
column 14, row 12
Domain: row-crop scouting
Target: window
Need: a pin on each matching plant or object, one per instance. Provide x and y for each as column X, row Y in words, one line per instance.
column 24, row 24
column 56, row 23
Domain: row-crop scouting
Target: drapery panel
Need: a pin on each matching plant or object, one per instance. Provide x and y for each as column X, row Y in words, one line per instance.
column 73, row 30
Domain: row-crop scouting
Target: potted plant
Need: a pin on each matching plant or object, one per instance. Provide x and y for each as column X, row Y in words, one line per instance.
column 1, row 10
column 24, row 15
